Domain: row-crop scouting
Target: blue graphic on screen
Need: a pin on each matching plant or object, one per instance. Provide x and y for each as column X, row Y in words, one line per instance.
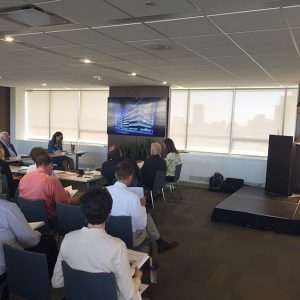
column 136, row 120
column 136, row 116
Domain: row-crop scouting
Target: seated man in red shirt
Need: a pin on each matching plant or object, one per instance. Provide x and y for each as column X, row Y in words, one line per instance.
column 40, row 185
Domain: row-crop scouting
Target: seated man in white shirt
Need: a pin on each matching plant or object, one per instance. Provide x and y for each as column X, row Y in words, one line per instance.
column 15, row 231
column 131, row 202
column 8, row 147
column 91, row 249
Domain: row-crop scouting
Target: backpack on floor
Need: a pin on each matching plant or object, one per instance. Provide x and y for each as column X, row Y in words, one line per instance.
column 215, row 182
column 231, row 185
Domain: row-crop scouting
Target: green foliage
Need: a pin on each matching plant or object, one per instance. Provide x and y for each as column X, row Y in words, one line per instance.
column 136, row 151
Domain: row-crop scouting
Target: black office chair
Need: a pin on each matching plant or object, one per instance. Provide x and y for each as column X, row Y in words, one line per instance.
column 69, row 218
column 27, row 274
column 5, row 187
column 3, row 289
column 158, row 185
column 121, row 227
column 34, row 211
column 175, row 181
column 80, row 285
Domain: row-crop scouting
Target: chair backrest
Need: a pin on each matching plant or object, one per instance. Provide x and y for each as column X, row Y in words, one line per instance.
column 159, row 180
column 69, row 218
column 5, row 188
column 80, row 285
column 27, row 273
column 34, row 211
column 177, row 172
column 121, row 227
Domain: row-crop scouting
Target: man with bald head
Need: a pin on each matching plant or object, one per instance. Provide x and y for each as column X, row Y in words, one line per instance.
column 151, row 165
column 9, row 149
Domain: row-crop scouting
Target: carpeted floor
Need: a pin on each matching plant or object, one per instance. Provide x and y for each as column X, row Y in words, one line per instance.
column 221, row 261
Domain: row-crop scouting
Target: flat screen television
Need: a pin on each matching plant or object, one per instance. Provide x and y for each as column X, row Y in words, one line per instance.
column 145, row 116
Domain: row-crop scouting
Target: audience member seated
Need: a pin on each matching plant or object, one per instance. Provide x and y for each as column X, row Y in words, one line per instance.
column 9, row 149
column 108, row 168
column 91, row 249
column 34, row 153
column 39, row 185
column 172, row 158
column 151, row 165
column 55, row 146
column 5, row 170
column 131, row 202
column 15, row 231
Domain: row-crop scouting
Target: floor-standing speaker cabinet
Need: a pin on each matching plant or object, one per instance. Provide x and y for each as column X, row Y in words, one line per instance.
column 281, row 175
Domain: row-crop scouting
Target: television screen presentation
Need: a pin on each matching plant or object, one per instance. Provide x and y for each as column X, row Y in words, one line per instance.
column 145, row 116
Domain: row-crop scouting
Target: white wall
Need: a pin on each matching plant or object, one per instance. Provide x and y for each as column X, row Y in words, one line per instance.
column 197, row 167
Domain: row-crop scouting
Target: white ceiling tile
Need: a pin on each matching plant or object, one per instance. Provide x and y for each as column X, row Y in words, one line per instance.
column 264, row 42
column 135, row 56
column 251, row 21
column 137, row 8
column 174, row 54
column 84, row 36
column 90, row 12
column 11, row 27
column 293, row 14
column 189, row 61
column 222, row 51
column 205, row 41
column 41, row 40
column 134, row 32
column 185, row 27
column 283, row 57
column 76, row 51
column 221, row 6
column 12, row 3
column 296, row 32
column 111, row 48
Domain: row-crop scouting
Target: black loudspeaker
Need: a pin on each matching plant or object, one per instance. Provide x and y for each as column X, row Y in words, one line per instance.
column 280, row 171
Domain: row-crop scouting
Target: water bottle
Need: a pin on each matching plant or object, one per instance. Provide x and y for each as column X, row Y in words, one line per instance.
column 153, row 273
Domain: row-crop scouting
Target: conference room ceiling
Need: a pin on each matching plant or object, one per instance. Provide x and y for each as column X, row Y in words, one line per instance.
column 186, row 43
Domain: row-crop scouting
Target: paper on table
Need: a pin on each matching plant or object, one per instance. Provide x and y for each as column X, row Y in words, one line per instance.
column 70, row 190
column 35, row 225
column 136, row 259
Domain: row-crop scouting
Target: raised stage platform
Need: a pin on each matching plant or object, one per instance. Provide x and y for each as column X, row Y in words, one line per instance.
column 252, row 207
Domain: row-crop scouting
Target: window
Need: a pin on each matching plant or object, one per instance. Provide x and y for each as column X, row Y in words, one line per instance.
column 79, row 115
column 37, row 114
column 231, row 121
column 178, row 117
column 64, row 114
column 257, row 114
column 209, row 121
column 93, row 117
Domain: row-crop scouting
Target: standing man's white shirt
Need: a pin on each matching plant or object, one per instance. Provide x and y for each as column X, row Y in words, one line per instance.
column 127, row 203
column 93, row 250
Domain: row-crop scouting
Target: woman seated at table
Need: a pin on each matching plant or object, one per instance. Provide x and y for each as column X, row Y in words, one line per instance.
column 172, row 159
column 5, row 170
column 55, row 146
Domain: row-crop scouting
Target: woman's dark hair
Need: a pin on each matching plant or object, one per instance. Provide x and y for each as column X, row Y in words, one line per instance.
column 55, row 135
column 96, row 205
column 36, row 151
column 170, row 147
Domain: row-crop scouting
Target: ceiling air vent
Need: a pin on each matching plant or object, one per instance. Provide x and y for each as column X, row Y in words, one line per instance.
column 31, row 15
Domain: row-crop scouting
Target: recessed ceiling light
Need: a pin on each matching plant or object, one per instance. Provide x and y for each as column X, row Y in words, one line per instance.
column 85, row 60
column 44, row 84
column 8, row 39
column 133, row 74
column 164, row 82
column 98, row 77
column 149, row 2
